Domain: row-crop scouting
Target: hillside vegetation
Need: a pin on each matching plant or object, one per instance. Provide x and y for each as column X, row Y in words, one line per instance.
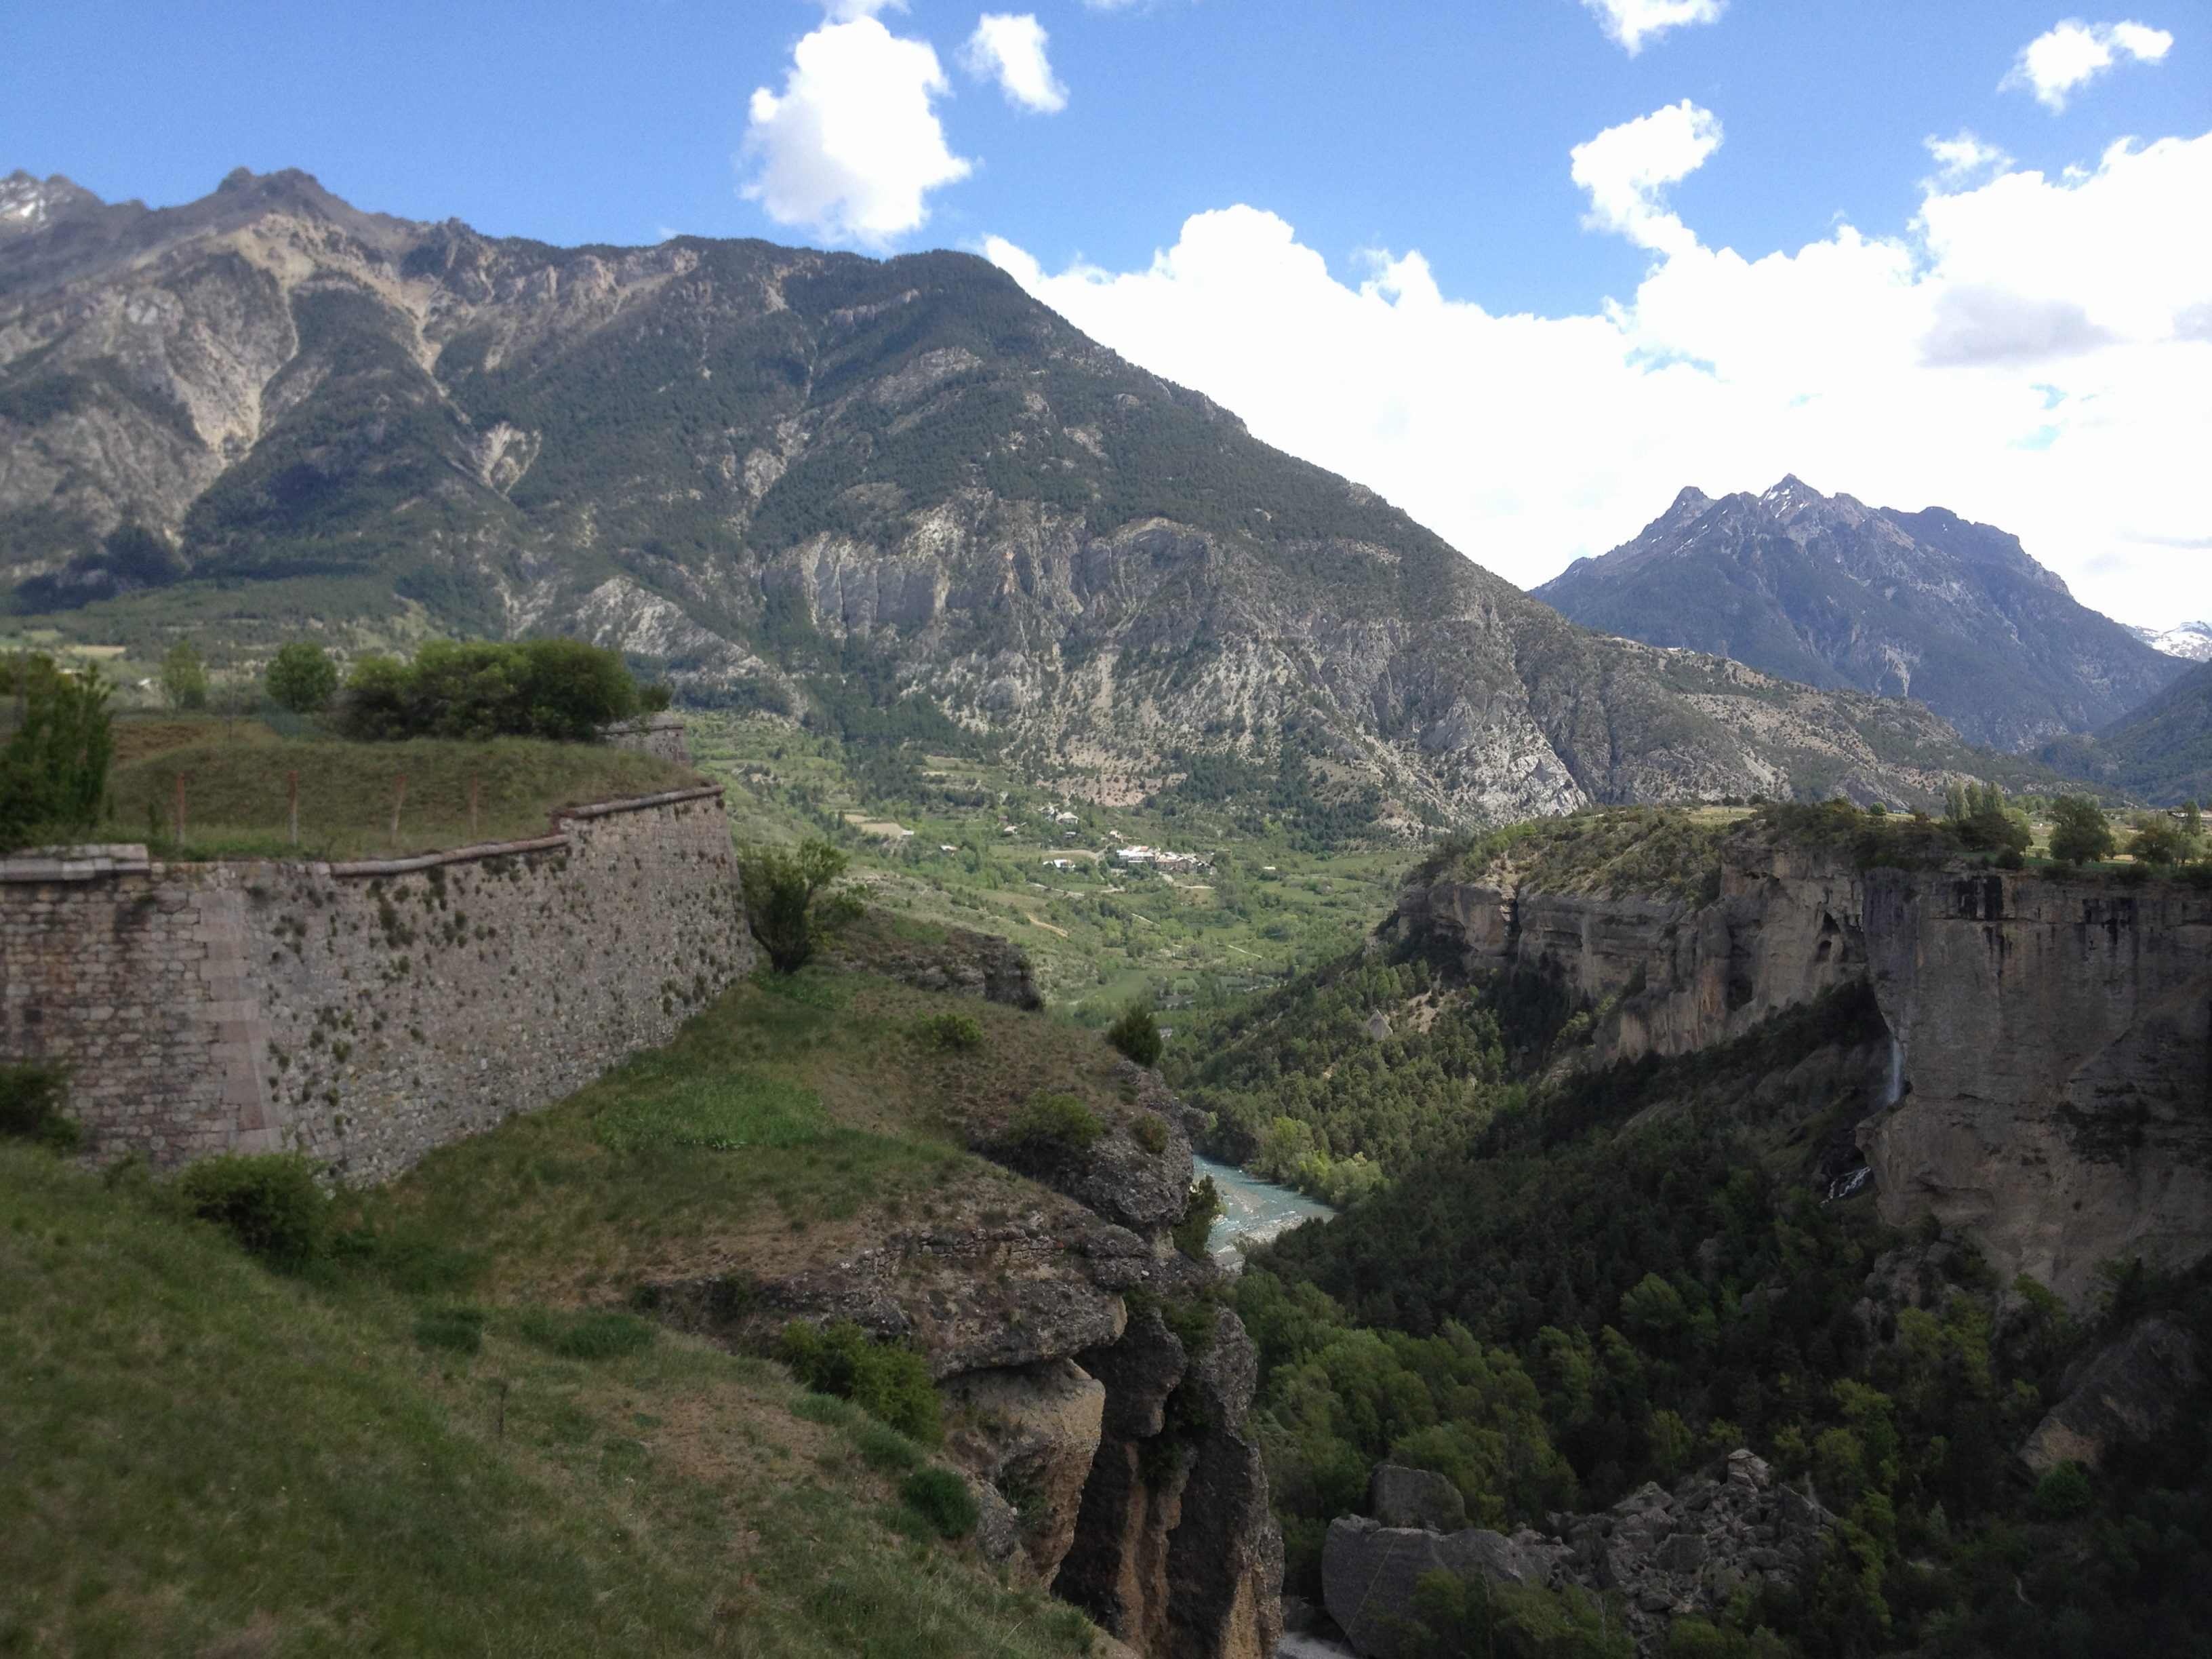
column 448, row 1429
column 1554, row 1284
column 207, row 1456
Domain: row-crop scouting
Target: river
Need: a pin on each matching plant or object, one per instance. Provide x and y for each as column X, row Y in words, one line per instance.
column 1253, row 1210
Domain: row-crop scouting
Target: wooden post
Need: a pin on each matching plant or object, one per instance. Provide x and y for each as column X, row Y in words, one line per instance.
column 294, row 813
column 472, row 803
column 181, row 814
column 398, row 800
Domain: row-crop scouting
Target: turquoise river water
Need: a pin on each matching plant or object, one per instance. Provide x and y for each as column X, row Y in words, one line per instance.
column 1253, row 1210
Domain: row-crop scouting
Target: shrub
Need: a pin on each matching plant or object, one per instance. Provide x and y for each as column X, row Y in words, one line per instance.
column 787, row 902
column 269, row 1202
column 1137, row 1034
column 301, row 678
column 885, row 1448
column 655, row 698
column 2079, row 832
column 184, row 679
column 1150, row 1132
column 31, row 1107
column 588, row 1335
column 1198, row 1215
column 456, row 1330
column 1055, row 1123
column 53, row 770
column 942, row 1498
column 890, row 1382
column 560, row 689
column 2062, row 1492
column 946, row 1032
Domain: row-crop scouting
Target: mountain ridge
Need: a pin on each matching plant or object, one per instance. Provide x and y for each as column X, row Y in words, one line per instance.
column 807, row 482
column 1826, row 590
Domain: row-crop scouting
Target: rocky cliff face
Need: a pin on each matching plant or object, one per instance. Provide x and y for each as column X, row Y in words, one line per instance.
column 1827, row 590
column 778, row 474
column 2051, row 1087
column 1097, row 1396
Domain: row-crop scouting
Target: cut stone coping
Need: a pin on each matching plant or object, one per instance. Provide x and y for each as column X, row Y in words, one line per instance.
column 77, row 863
column 492, row 849
column 90, row 863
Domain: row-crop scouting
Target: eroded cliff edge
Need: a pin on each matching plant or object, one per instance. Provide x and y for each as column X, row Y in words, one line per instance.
column 1098, row 1392
column 2051, row 1089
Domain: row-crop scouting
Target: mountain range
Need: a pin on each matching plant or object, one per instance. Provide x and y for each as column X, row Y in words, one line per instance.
column 900, row 496
column 1826, row 590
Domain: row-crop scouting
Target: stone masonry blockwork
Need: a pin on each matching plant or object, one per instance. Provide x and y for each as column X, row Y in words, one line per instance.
column 363, row 1018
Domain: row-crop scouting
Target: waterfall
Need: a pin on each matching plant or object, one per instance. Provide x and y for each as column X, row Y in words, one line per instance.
column 1896, row 1084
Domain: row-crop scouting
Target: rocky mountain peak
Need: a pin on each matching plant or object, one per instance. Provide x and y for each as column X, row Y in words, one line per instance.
column 1827, row 590
column 752, row 467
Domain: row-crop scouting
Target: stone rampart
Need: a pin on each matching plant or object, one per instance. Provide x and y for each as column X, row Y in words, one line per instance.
column 364, row 1013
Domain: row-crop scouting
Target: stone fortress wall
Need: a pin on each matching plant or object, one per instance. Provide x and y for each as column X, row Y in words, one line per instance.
column 364, row 1013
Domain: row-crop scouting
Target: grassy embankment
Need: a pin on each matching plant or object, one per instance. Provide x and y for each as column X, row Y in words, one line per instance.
column 237, row 788
column 407, row 1447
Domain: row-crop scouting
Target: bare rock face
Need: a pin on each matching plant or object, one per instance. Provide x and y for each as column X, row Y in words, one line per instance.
column 2049, row 1090
column 1664, row 1553
column 2129, row 1391
column 1414, row 1497
column 1031, row 1432
column 1175, row 1551
column 2055, row 1074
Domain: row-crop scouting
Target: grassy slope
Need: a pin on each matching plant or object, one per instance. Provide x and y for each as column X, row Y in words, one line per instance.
column 236, row 787
column 208, row 1452
column 839, row 1123
column 204, row 1458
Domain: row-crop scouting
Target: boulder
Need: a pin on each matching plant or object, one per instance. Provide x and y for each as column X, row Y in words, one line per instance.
column 1399, row 1496
column 2128, row 1391
column 1369, row 1572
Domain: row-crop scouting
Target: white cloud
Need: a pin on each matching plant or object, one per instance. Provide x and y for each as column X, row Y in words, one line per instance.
column 852, row 147
column 1624, row 169
column 1631, row 22
column 1961, row 157
column 1009, row 49
column 848, row 11
column 2075, row 54
column 2035, row 353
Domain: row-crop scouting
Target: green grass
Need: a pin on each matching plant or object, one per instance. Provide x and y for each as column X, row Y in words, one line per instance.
column 204, row 1456
column 237, row 789
column 788, row 1118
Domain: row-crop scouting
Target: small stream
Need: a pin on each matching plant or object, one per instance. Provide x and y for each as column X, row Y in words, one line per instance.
column 1253, row 1210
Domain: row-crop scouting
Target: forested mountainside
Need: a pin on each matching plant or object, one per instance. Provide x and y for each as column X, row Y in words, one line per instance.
column 1598, row 1249
column 2161, row 751
column 809, row 481
column 1826, row 590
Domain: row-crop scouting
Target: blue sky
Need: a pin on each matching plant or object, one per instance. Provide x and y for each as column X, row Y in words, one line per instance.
column 1446, row 128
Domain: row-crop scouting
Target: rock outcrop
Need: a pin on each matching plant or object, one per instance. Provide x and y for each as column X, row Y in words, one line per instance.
column 1175, row 1551
column 2129, row 1391
column 1096, row 1394
column 1664, row 1554
column 963, row 962
column 2051, row 1088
